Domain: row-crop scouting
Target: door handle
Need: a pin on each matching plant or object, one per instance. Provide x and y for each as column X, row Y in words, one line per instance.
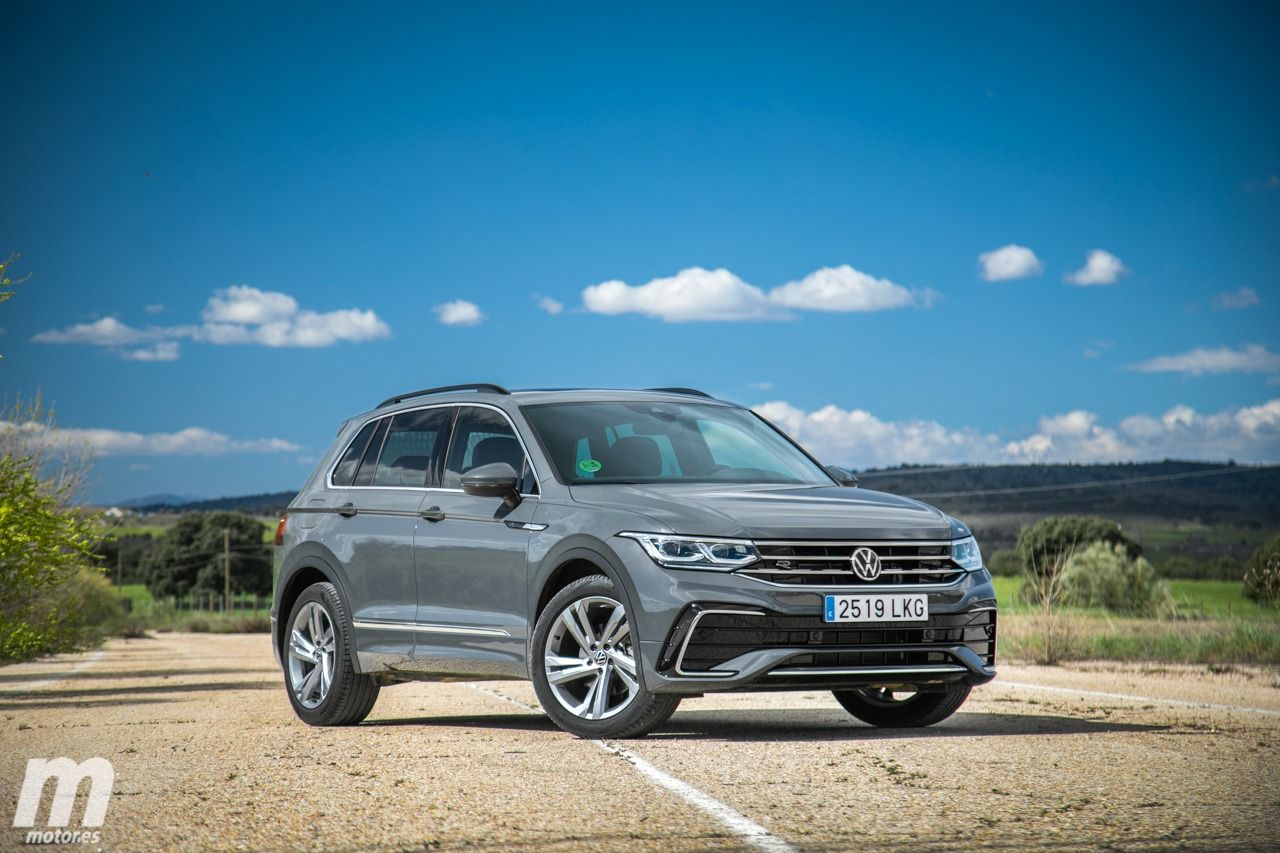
column 346, row 510
column 432, row 513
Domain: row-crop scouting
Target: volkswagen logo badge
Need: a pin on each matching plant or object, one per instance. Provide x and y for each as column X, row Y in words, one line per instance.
column 866, row 564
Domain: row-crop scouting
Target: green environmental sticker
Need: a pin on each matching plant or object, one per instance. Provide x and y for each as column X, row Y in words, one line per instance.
column 589, row 466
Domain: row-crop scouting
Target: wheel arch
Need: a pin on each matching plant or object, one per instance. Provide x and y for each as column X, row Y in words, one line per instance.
column 306, row 569
column 565, row 565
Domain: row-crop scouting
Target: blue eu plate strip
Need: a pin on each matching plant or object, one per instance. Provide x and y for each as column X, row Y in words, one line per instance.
column 830, row 603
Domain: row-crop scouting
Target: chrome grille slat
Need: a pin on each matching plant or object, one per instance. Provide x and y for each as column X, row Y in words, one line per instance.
column 826, row 563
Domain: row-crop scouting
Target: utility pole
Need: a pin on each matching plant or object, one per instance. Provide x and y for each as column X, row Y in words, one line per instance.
column 119, row 566
column 226, row 567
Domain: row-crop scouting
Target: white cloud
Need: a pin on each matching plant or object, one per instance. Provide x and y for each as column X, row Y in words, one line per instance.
column 248, row 305
column 235, row 315
column 1201, row 360
column 839, row 436
column 761, row 386
column 192, row 441
column 1096, row 348
column 1010, row 262
column 858, row 438
column 1072, row 437
column 1245, row 297
column 551, row 306
column 161, row 351
column 459, row 312
column 156, row 308
column 843, row 288
column 698, row 294
column 691, row 294
column 1101, row 267
column 106, row 332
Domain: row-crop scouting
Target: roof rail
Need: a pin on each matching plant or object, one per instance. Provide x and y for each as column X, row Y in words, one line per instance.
column 476, row 386
column 690, row 391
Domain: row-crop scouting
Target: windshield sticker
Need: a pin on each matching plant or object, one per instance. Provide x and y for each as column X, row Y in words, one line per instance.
column 589, row 466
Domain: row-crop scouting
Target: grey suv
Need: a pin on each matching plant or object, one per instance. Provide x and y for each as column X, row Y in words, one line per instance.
column 622, row 549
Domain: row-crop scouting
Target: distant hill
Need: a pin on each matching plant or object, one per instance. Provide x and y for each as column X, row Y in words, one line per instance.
column 1213, row 493
column 162, row 499
column 272, row 503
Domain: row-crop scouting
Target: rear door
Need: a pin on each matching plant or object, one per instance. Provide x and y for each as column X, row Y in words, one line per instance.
column 378, row 514
column 472, row 560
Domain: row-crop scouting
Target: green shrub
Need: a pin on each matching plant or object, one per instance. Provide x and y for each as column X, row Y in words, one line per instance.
column 52, row 598
column 1105, row 575
column 1262, row 573
column 1004, row 562
column 1048, row 540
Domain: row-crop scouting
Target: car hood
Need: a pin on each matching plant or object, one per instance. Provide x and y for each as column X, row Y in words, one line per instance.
column 773, row 512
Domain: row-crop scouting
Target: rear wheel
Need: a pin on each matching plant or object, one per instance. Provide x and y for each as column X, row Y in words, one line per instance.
column 881, row 706
column 585, row 670
column 323, row 686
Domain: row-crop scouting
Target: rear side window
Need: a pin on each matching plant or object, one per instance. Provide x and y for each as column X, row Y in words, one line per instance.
column 364, row 477
column 480, row 437
column 345, row 472
column 409, row 447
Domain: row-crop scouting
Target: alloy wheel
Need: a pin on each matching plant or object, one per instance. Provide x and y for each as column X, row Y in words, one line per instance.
column 311, row 655
column 589, row 661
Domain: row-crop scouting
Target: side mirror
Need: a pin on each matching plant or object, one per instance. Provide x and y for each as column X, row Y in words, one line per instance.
column 842, row 476
column 495, row 480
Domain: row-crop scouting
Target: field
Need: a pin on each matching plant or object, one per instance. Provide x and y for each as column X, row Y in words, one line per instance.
column 1215, row 624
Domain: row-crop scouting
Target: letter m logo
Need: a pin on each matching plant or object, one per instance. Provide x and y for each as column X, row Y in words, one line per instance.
column 69, row 775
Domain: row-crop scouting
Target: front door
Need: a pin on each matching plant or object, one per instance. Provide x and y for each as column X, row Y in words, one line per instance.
column 471, row 555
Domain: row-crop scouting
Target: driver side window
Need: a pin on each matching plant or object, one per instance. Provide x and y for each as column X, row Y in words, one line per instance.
column 481, row 437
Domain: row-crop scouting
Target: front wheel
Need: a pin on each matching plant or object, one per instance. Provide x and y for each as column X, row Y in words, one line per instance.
column 324, row 688
column 585, row 668
column 887, row 708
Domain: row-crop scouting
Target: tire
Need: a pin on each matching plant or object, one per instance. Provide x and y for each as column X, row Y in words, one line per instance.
column 349, row 696
column 879, row 708
column 583, row 650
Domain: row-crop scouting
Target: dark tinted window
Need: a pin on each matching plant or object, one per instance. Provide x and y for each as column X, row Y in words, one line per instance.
column 481, row 437
column 364, row 477
column 657, row 442
column 345, row 472
column 407, row 451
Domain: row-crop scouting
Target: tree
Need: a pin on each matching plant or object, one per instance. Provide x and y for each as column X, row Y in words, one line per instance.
column 1104, row 575
column 1046, row 540
column 7, row 281
column 188, row 558
column 52, row 596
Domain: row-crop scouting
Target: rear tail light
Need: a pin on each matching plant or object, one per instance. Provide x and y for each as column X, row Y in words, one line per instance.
column 284, row 519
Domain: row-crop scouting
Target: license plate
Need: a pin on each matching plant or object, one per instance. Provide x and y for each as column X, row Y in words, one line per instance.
column 876, row 608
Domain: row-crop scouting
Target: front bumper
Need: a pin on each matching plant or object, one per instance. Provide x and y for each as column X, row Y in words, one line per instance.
column 705, row 632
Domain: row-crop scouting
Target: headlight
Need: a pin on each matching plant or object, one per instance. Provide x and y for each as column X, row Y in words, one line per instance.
column 965, row 554
column 694, row 552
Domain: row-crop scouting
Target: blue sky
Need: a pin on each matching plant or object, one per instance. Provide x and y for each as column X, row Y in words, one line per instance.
column 203, row 188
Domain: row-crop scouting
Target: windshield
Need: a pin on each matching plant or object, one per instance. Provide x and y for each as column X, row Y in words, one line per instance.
column 667, row 442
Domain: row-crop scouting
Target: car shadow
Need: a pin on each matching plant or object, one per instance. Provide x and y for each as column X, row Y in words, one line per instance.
column 797, row 724
column 509, row 722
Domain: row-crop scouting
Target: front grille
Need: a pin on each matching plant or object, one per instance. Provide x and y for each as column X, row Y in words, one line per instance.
column 830, row 563
column 719, row 637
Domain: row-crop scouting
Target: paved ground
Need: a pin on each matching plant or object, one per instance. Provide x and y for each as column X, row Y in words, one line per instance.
column 207, row 754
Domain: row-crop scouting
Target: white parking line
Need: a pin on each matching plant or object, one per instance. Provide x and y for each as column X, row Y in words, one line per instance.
column 1129, row 697
column 24, row 686
column 750, row 831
